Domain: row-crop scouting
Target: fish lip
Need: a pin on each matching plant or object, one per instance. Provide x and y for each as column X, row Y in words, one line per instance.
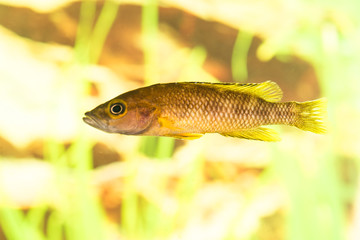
column 89, row 119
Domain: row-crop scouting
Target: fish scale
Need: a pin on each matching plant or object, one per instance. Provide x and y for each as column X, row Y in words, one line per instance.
column 189, row 110
column 202, row 115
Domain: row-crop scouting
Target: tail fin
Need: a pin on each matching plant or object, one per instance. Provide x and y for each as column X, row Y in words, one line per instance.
column 312, row 115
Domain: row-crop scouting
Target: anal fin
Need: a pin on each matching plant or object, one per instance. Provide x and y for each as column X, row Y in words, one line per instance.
column 260, row 133
column 186, row 136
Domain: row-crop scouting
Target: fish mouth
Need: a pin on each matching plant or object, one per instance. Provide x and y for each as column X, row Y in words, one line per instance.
column 92, row 121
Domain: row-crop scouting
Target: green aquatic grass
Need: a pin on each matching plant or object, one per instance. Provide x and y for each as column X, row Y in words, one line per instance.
column 316, row 203
column 316, row 207
column 82, row 215
column 149, row 26
column 79, row 215
column 152, row 146
column 146, row 220
column 102, row 28
column 142, row 219
column 17, row 226
column 239, row 56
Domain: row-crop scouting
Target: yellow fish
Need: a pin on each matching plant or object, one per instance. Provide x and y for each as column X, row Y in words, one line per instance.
column 188, row 110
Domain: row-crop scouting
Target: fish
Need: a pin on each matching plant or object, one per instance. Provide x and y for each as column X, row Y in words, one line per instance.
column 188, row 110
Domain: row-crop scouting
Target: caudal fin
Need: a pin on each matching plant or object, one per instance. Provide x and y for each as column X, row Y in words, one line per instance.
column 312, row 115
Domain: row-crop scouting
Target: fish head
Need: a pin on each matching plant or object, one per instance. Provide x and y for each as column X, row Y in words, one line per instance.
column 122, row 116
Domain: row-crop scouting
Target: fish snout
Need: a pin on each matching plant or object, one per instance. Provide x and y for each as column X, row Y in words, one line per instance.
column 89, row 119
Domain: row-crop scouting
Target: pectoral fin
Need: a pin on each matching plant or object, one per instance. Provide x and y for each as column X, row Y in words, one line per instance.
column 260, row 133
column 186, row 136
column 166, row 123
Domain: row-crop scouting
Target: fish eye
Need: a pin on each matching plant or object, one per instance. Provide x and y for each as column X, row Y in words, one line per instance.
column 117, row 108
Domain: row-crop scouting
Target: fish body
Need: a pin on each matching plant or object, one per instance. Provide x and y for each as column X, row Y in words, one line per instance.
column 189, row 110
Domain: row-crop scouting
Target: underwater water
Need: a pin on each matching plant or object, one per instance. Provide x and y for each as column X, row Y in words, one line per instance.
column 61, row 179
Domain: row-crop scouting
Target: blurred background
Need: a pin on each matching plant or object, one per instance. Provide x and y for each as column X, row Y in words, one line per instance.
column 62, row 179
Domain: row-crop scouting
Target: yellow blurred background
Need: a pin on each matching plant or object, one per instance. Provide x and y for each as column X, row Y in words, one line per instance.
column 61, row 179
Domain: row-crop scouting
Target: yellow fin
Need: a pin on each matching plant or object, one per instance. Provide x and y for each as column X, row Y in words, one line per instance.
column 268, row 90
column 186, row 136
column 260, row 133
column 312, row 116
column 164, row 122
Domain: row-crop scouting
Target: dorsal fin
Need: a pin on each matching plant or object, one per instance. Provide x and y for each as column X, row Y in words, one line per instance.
column 268, row 90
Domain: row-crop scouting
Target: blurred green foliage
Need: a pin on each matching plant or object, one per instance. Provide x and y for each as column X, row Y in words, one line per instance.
column 317, row 195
